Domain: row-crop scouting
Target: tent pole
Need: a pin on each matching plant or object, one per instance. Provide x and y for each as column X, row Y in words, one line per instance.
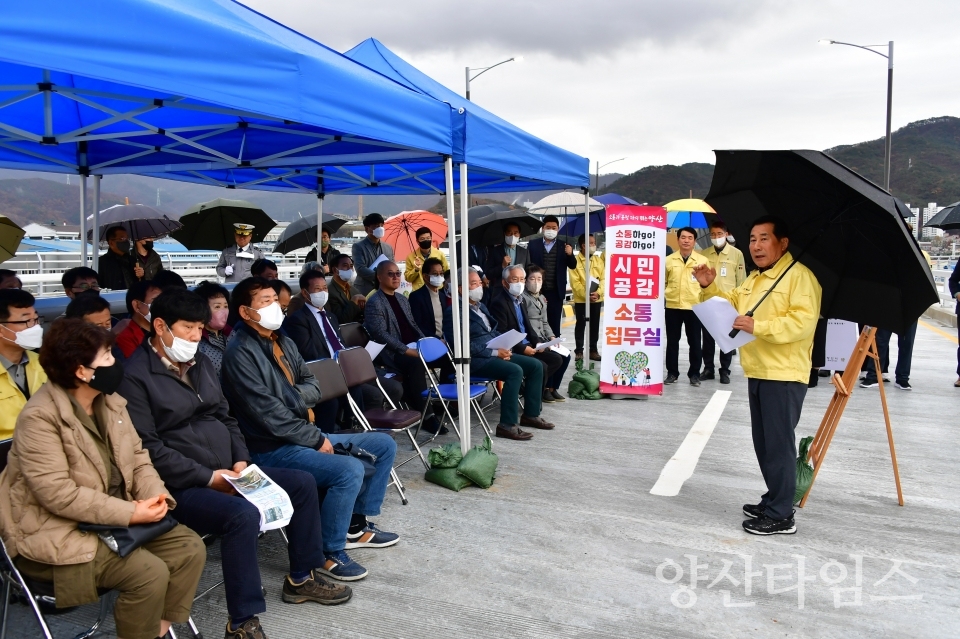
column 454, row 308
column 83, row 220
column 319, row 222
column 586, row 267
column 465, row 317
column 95, row 245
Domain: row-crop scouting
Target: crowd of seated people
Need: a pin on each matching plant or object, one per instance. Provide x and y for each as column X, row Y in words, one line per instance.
column 162, row 407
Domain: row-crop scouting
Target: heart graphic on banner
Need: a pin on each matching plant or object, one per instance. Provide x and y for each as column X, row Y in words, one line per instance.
column 632, row 364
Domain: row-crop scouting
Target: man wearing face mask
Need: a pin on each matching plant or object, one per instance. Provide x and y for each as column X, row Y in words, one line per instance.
column 728, row 262
column 115, row 270
column 237, row 259
column 139, row 298
column 272, row 394
column 427, row 302
column 174, row 398
column 326, row 255
column 413, row 272
column 511, row 314
column 20, row 371
column 554, row 257
column 366, row 252
column 146, row 261
column 346, row 302
column 503, row 255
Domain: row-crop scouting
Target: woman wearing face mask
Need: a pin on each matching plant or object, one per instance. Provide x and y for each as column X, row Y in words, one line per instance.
column 216, row 332
column 537, row 306
column 77, row 458
column 145, row 261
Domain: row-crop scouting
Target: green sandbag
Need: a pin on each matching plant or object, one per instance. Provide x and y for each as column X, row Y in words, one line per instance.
column 448, row 478
column 804, row 470
column 479, row 464
column 446, row 456
column 585, row 384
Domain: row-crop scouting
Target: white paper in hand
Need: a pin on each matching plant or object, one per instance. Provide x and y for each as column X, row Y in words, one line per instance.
column 507, row 340
column 374, row 348
column 542, row 346
column 717, row 316
column 274, row 504
column 376, row 262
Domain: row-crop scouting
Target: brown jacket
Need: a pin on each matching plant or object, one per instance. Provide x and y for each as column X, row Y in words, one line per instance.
column 55, row 478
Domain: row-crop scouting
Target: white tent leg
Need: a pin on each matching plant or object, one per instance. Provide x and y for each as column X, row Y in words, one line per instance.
column 83, row 220
column 465, row 316
column 586, row 279
column 319, row 222
column 462, row 401
column 96, row 222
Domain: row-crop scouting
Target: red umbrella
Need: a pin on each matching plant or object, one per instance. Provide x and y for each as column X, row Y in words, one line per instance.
column 400, row 231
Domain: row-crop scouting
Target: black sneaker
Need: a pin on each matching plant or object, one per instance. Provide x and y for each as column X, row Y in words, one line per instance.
column 724, row 378
column 694, row 380
column 867, row 383
column 708, row 375
column 766, row 526
column 753, row 511
column 670, row 379
column 317, row 589
column 904, row 386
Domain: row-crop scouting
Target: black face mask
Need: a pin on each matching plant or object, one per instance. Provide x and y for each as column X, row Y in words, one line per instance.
column 89, row 291
column 123, row 246
column 148, row 245
column 106, row 379
column 425, row 244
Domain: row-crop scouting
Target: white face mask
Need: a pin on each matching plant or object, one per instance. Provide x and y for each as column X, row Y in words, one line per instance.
column 533, row 287
column 30, row 338
column 378, row 232
column 147, row 316
column 318, row 299
column 550, row 234
column 347, row 276
column 271, row 317
column 719, row 242
column 511, row 240
column 516, row 289
column 476, row 294
column 436, row 280
column 182, row 350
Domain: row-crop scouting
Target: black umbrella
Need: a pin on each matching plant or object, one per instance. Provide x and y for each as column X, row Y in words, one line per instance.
column 474, row 213
column 140, row 221
column 844, row 228
column 487, row 230
column 209, row 226
column 948, row 219
column 303, row 232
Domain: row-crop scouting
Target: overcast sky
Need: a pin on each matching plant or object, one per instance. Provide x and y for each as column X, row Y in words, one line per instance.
column 667, row 81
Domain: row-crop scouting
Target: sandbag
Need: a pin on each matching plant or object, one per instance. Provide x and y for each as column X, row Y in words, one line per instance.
column 585, row 383
column 804, row 470
column 446, row 456
column 448, row 478
column 480, row 464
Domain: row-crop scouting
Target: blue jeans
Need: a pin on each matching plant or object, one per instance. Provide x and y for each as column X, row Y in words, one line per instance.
column 237, row 522
column 342, row 476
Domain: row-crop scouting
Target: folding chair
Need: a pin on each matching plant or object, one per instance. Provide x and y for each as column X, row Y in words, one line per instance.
column 333, row 385
column 431, row 349
column 39, row 593
column 353, row 334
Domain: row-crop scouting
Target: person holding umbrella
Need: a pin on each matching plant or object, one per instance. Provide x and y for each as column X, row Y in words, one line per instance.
column 236, row 260
column 415, row 260
column 327, row 253
column 115, row 271
column 554, row 256
column 501, row 256
column 777, row 363
column 727, row 261
column 146, row 261
column 681, row 292
column 366, row 252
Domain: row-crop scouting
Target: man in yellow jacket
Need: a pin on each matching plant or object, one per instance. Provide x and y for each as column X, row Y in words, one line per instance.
column 727, row 261
column 579, row 287
column 681, row 291
column 20, row 372
column 777, row 363
column 415, row 260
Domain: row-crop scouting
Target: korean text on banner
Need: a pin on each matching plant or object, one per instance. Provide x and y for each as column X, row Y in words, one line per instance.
column 632, row 362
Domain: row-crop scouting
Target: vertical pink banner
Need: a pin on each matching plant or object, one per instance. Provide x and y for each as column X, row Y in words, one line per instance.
column 633, row 333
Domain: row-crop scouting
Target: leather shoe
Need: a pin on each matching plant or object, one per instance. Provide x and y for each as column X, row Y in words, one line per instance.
column 595, row 356
column 536, row 422
column 511, row 431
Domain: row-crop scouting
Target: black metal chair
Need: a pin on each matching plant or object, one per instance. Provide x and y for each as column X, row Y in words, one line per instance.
column 353, row 334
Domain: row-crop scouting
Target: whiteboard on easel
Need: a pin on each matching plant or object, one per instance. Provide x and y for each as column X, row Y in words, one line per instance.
column 841, row 340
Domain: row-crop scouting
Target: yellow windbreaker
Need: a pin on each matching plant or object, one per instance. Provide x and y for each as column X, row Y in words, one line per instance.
column 783, row 325
column 575, row 275
column 729, row 265
column 12, row 400
column 681, row 289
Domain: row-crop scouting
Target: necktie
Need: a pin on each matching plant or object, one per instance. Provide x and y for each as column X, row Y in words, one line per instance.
column 330, row 333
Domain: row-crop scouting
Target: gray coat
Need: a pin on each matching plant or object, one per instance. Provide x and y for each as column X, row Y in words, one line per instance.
column 366, row 253
column 382, row 327
column 537, row 315
column 241, row 266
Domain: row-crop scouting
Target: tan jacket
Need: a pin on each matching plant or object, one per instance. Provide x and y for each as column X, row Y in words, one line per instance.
column 55, row 478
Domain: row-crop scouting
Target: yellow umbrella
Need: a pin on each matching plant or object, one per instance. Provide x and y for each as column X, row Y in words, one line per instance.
column 688, row 212
column 10, row 236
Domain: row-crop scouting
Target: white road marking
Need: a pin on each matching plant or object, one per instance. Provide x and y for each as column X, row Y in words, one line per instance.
column 681, row 466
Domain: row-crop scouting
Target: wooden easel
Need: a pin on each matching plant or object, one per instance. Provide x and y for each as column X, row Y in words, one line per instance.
column 866, row 347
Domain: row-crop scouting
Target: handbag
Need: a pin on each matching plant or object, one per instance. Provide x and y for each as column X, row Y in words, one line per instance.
column 366, row 458
column 123, row 540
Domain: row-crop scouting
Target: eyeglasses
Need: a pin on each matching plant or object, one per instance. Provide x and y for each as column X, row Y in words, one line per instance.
column 29, row 323
column 80, row 288
column 393, row 274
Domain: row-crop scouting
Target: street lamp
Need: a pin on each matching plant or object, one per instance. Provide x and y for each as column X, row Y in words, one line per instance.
column 483, row 70
column 596, row 182
column 889, row 56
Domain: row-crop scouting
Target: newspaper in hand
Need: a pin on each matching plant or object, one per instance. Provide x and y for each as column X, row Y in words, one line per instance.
column 261, row 491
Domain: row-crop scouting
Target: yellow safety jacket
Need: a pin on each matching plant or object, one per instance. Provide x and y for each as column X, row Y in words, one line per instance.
column 681, row 289
column 731, row 270
column 12, row 400
column 783, row 325
column 412, row 272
